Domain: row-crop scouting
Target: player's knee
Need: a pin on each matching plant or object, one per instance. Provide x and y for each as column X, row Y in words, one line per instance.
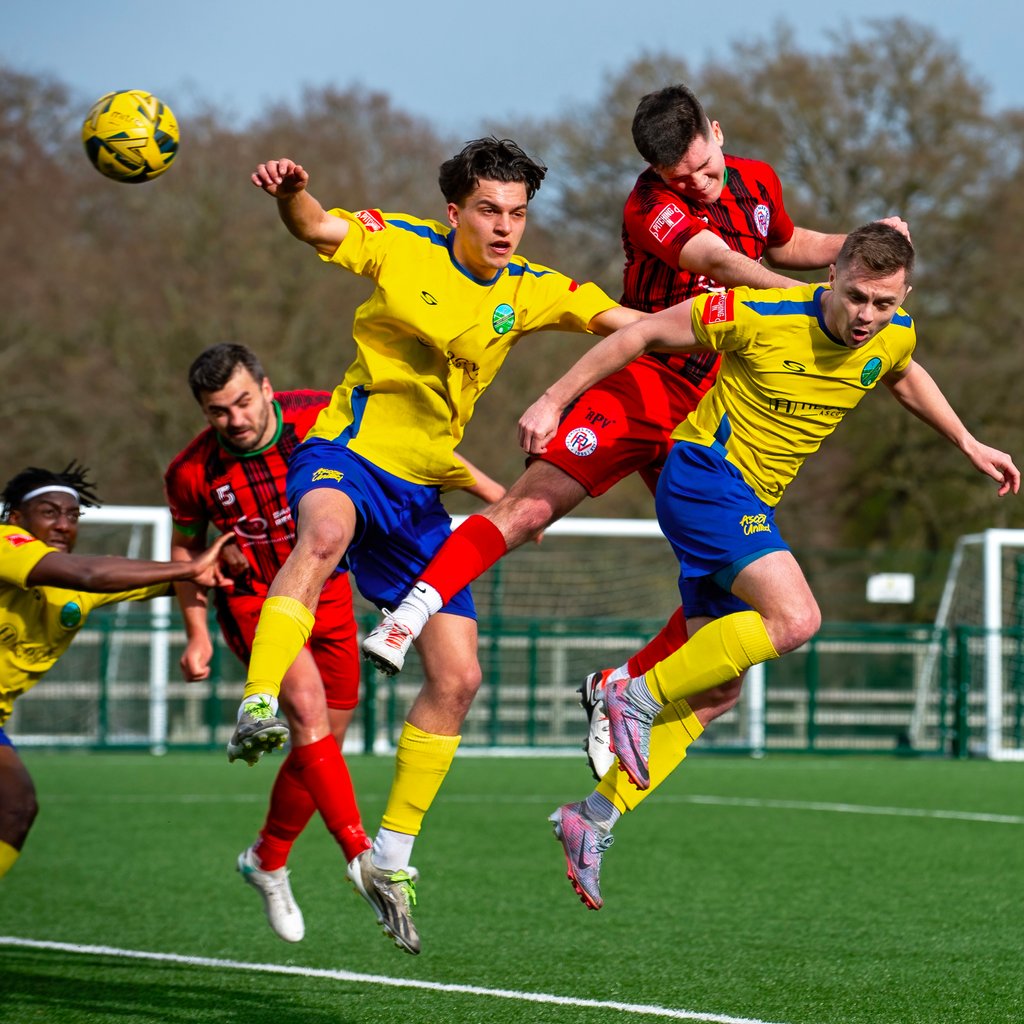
column 795, row 625
column 323, row 541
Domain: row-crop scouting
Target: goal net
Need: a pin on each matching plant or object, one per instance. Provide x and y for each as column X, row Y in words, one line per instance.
column 585, row 598
column 981, row 622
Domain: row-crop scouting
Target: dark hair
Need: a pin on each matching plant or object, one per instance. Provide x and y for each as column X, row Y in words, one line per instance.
column 214, row 367
column 31, row 479
column 493, row 160
column 879, row 248
column 666, row 123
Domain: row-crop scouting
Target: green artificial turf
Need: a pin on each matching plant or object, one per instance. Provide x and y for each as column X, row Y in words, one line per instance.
column 792, row 890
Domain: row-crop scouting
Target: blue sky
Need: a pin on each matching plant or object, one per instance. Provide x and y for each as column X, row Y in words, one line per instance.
column 452, row 61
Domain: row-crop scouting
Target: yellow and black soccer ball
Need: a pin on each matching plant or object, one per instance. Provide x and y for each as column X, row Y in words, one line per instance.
column 130, row 135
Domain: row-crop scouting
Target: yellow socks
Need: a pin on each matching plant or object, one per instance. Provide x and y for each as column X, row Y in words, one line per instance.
column 421, row 763
column 673, row 731
column 8, row 855
column 722, row 650
column 283, row 630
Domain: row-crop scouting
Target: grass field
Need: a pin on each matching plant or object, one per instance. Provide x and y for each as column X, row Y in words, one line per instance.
column 789, row 890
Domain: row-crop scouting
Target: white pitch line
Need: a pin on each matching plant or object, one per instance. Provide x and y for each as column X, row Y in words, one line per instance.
column 505, row 798
column 895, row 812
column 378, row 979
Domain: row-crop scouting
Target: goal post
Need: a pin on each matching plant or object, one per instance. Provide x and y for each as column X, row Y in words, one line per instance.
column 981, row 616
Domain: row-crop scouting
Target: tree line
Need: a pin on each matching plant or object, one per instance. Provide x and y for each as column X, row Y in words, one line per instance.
column 111, row 290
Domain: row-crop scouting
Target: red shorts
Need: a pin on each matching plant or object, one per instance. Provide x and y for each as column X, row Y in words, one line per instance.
column 333, row 641
column 623, row 425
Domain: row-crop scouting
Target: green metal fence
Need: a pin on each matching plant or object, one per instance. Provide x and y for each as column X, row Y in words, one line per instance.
column 854, row 688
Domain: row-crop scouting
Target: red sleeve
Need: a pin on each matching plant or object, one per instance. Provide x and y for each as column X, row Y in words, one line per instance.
column 182, row 485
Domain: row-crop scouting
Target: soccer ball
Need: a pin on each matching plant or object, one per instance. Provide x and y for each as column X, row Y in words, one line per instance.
column 130, row 135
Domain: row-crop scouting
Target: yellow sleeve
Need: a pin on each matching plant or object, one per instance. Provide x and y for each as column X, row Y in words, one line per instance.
column 20, row 553
column 717, row 320
column 139, row 594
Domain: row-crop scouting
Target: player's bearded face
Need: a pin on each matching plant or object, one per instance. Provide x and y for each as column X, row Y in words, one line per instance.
column 242, row 412
column 700, row 174
column 860, row 304
column 489, row 226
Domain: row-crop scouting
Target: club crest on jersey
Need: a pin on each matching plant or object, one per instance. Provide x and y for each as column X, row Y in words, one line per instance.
column 668, row 217
column 372, row 220
column 582, row 441
column 762, row 218
column 503, row 317
column 718, row 308
column 872, row 368
column 70, row 615
column 328, row 474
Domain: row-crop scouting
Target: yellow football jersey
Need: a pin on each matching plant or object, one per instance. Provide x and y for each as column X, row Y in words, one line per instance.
column 785, row 383
column 38, row 623
column 430, row 339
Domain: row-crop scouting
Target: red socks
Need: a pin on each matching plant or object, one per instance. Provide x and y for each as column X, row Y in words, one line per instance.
column 314, row 776
column 470, row 551
column 291, row 807
column 672, row 636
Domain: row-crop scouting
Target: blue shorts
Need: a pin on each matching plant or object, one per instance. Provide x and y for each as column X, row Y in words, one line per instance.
column 400, row 525
column 716, row 525
column 5, row 740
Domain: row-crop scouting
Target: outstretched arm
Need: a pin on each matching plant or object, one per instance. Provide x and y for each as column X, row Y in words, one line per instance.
column 302, row 214
column 670, row 331
column 107, row 574
column 915, row 390
column 812, row 250
column 709, row 255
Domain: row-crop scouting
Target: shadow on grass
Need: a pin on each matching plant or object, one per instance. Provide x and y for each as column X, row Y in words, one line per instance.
column 52, row 986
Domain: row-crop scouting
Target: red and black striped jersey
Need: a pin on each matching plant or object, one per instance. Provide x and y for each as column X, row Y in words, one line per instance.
column 209, row 484
column 749, row 217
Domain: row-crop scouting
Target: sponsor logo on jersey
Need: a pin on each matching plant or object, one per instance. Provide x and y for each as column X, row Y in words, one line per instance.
column 70, row 615
column 328, row 474
column 372, row 220
column 669, row 216
column 503, row 317
column 17, row 539
column 762, row 218
column 582, row 441
column 755, row 524
column 467, row 366
column 428, row 298
column 718, row 308
column 872, row 368
column 598, row 418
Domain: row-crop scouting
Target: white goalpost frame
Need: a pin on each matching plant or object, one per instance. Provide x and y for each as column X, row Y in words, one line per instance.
column 160, row 608
column 993, row 543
